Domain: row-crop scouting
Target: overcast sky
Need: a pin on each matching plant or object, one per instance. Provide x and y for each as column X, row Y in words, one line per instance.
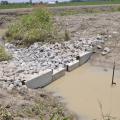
column 32, row 0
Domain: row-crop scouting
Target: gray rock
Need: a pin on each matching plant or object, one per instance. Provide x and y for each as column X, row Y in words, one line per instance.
column 106, row 49
column 99, row 46
column 5, row 85
column 17, row 83
column 10, row 87
column 27, row 61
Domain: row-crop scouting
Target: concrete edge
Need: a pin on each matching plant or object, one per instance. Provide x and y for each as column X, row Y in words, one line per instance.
column 72, row 65
column 84, row 57
column 48, row 76
column 41, row 80
column 58, row 73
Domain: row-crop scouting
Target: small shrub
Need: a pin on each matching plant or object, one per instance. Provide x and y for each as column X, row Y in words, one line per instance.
column 67, row 35
column 118, row 9
column 5, row 114
column 3, row 55
column 35, row 27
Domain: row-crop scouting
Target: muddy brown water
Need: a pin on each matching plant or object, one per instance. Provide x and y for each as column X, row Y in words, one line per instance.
column 87, row 88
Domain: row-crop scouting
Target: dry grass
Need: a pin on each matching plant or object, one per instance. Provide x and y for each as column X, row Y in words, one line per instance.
column 3, row 55
column 25, row 105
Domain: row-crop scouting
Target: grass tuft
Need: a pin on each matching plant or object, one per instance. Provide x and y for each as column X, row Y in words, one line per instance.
column 3, row 55
column 67, row 35
column 35, row 27
column 5, row 114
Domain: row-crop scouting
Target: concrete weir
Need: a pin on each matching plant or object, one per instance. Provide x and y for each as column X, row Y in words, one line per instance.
column 41, row 80
column 72, row 65
column 84, row 57
column 48, row 76
column 58, row 73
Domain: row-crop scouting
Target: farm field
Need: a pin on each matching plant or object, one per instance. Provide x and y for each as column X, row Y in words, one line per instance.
column 86, row 3
column 15, row 5
column 28, row 5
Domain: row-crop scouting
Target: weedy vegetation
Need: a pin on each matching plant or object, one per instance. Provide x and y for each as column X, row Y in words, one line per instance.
column 67, row 35
column 3, row 54
column 38, row 111
column 5, row 114
column 35, row 27
column 105, row 116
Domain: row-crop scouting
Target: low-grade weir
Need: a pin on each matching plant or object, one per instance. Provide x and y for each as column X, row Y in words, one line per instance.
column 86, row 89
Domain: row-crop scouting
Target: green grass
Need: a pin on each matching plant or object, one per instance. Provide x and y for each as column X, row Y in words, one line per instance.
column 34, row 27
column 15, row 5
column 86, row 3
column 69, row 12
column 27, row 5
column 3, row 55
column 5, row 114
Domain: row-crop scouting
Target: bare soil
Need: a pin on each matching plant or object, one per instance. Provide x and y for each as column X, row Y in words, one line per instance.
column 31, row 105
column 90, row 25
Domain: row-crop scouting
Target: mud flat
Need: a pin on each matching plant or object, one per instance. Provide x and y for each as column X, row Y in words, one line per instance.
column 85, row 88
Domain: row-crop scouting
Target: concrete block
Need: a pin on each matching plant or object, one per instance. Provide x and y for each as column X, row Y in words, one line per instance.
column 72, row 65
column 40, row 80
column 84, row 57
column 58, row 73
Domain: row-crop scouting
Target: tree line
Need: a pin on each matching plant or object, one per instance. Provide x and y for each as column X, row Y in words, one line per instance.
column 89, row 0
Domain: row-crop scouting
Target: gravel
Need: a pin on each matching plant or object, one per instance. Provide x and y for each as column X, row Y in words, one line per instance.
column 39, row 57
